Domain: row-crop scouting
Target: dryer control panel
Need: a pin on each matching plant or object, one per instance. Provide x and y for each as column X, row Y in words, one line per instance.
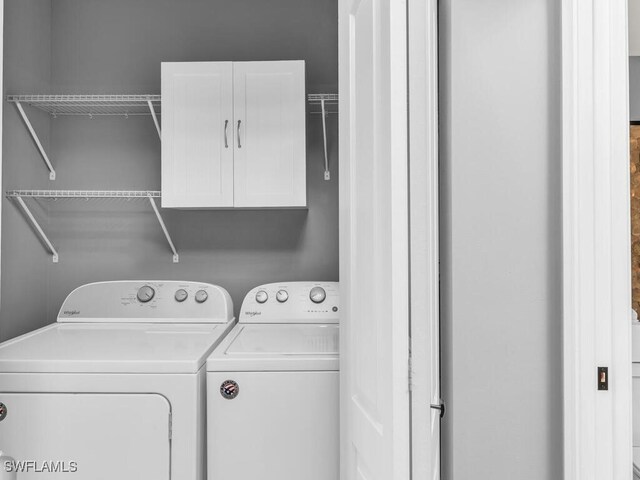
column 292, row 302
column 151, row 301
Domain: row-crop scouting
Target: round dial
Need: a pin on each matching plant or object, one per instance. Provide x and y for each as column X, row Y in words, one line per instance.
column 181, row 295
column 317, row 295
column 262, row 296
column 282, row 296
column 146, row 293
column 201, row 296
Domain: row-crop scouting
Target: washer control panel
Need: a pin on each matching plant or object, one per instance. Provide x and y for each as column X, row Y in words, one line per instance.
column 292, row 302
column 149, row 301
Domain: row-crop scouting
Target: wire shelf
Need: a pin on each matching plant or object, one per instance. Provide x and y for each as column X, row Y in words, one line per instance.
column 84, row 193
column 91, row 105
column 125, row 105
column 318, row 97
column 86, row 105
column 20, row 195
column 330, row 101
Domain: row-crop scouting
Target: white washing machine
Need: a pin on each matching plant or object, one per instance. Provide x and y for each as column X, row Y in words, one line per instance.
column 273, row 387
column 116, row 388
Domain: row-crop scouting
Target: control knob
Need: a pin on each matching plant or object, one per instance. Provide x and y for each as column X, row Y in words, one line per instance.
column 181, row 295
column 282, row 296
column 146, row 293
column 201, row 296
column 262, row 296
column 317, row 295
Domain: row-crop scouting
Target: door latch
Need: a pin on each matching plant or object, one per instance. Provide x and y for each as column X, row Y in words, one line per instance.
column 439, row 406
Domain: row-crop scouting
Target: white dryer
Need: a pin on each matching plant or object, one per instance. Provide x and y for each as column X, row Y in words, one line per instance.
column 116, row 388
column 273, row 387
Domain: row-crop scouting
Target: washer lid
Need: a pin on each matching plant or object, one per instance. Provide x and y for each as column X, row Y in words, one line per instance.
column 112, row 348
column 277, row 347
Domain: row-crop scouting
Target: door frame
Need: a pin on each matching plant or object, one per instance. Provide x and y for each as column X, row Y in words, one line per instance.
column 1, row 122
column 596, row 240
column 424, row 305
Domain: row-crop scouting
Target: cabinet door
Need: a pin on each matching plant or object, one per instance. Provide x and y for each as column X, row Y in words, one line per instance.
column 269, row 134
column 197, row 130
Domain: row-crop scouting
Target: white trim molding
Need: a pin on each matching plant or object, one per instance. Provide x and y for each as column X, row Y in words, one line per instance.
column 596, row 244
column 1, row 114
column 424, row 239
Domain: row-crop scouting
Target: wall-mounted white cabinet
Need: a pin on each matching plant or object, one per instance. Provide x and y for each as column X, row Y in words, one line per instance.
column 233, row 134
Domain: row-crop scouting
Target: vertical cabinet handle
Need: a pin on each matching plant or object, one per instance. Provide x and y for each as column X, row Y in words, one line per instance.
column 226, row 141
column 239, row 144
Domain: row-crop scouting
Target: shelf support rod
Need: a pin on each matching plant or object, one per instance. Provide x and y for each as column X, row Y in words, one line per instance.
column 34, row 135
column 176, row 257
column 38, row 228
column 155, row 118
column 327, row 174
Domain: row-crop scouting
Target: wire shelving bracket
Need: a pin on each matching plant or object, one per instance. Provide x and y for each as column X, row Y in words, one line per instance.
column 324, row 101
column 36, row 139
column 85, row 105
column 20, row 195
column 36, row 225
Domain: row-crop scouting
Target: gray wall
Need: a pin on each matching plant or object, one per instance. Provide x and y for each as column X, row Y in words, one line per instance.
column 116, row 46
column 501, row 239
column 27, row 67
column 634, row 88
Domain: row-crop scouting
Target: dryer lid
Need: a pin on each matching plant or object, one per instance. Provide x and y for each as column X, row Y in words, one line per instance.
column 112, row 348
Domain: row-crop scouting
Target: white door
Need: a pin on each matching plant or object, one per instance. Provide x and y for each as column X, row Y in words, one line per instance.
column 197, row 134
column 374, row 239
column 88, row 436
column 269, row 134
